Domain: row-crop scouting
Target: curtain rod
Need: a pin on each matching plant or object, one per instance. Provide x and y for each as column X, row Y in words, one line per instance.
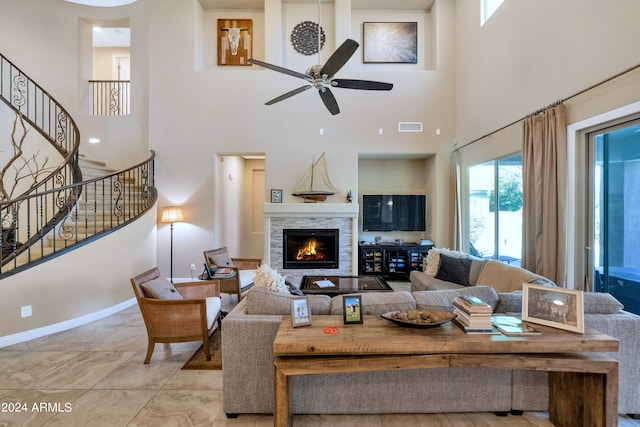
column 551, row 105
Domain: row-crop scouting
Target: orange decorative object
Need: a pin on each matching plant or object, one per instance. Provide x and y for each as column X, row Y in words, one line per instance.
column 331, row 330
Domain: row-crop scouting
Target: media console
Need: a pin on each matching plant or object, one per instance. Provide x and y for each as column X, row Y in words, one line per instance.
column 391, row 259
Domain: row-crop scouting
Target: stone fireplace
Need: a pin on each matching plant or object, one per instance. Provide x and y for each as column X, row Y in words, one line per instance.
column 340, row 219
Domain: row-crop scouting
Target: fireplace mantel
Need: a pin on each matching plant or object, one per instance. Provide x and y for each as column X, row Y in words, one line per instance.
column 333, row 210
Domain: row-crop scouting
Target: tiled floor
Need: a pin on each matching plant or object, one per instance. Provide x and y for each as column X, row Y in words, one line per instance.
column 94, row 376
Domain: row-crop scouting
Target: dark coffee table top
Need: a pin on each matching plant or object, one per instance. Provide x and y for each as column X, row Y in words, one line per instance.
column 343, row 284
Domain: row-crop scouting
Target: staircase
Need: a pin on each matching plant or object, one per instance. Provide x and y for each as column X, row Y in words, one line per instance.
column 79, row 201
column 96, row 210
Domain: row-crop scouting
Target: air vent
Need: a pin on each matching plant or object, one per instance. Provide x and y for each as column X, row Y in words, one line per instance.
column 409, row 126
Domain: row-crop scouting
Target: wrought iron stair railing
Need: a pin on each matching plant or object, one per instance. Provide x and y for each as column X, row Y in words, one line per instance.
column 90, row 209
column 34, row 222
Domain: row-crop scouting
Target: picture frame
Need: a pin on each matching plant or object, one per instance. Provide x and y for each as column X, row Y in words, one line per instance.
column 276, row 196
column 352, row 309
column 300, row 312
column 235, row 42
column 556, row 307
column 390, row 42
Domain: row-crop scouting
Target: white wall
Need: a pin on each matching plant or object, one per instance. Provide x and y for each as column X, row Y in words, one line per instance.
column 79, row 283
column 531, row 54
column 196, row 114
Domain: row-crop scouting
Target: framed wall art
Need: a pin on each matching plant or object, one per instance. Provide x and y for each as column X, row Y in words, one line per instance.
column 556, row 307
column 235, row 41
column 300, row 313
column 276, row 196
column 352, row 308
column 390, row 42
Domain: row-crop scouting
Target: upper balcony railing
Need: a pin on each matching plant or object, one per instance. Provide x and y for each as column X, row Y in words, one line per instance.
column 110, row 97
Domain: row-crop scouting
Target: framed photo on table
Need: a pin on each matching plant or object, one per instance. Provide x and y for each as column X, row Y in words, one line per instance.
column 276, row 196
column 300, row 313
column 556, row 307
column 352, row 308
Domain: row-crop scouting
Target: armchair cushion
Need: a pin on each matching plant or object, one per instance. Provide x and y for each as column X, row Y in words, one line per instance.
column 246, row 278
column 160, row 288
column 221, row 260
column 213, row 306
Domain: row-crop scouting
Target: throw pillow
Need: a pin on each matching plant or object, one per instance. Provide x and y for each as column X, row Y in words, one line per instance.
column 268, row 278
column 510, row 302
column 454, row 270
column 433, row 259
column 160, row 288
column 600, row 303
column 221, row 260
column 443, row 300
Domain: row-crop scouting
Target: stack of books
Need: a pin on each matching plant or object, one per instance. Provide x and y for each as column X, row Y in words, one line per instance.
column 473, row 315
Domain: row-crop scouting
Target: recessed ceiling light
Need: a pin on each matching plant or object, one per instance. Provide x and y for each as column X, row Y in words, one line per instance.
column 102, row 3
column 94, row 140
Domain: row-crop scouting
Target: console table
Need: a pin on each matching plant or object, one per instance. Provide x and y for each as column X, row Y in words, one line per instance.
column 583, row 383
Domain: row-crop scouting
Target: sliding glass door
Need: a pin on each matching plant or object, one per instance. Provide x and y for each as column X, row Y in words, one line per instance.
column 614, row 223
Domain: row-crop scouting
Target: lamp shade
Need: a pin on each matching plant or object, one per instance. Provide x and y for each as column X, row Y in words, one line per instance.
column 172, row 214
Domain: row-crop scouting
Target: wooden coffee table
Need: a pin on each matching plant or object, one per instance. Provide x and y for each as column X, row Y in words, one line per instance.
column 344, row 284
column 574, row 361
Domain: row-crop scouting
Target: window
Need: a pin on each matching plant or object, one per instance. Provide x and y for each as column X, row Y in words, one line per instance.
column 614, row 179
column 494, row 217
column 487, row 7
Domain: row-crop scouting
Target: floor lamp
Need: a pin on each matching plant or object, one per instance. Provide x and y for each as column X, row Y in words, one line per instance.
column 170, row 215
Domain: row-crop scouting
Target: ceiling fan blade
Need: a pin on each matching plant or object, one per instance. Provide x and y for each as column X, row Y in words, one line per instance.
column 339, row 57
column 280, row 69
column 288, row 95
column 361, row 84
column 329, row 100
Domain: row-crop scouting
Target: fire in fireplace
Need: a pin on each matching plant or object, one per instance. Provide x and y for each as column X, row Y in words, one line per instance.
column 310, row 248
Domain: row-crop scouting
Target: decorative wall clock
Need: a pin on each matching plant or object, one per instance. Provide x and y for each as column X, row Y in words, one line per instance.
column 304, row 38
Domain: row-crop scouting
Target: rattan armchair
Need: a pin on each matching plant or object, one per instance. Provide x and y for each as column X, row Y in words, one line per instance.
column 192, row 318
column 240, row 266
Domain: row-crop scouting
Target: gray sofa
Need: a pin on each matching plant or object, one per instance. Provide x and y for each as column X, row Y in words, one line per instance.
column 249, row 329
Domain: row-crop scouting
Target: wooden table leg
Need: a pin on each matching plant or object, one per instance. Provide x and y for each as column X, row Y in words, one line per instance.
column 584, row 399
column 282, row 398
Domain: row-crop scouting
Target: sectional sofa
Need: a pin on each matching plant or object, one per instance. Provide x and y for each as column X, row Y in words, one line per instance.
column 249, row 329
column 446, row 269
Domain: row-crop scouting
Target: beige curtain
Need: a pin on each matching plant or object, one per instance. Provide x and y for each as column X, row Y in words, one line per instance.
column 456, row 225
column 544, row 159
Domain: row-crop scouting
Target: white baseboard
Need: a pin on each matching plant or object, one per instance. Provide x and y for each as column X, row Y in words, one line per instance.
column 63, row 326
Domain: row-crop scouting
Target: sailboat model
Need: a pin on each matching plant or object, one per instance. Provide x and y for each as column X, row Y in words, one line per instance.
column 315, row 185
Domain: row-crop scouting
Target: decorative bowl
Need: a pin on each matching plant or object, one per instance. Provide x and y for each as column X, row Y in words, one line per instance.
column 438, row 318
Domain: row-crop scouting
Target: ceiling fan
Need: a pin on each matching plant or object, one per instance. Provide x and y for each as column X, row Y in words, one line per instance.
column 321, row 76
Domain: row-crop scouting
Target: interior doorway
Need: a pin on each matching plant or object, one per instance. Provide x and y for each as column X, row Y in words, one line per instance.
column 240, row 191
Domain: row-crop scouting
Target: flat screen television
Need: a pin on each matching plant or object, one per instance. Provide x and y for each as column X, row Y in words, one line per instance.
column 398, row 212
